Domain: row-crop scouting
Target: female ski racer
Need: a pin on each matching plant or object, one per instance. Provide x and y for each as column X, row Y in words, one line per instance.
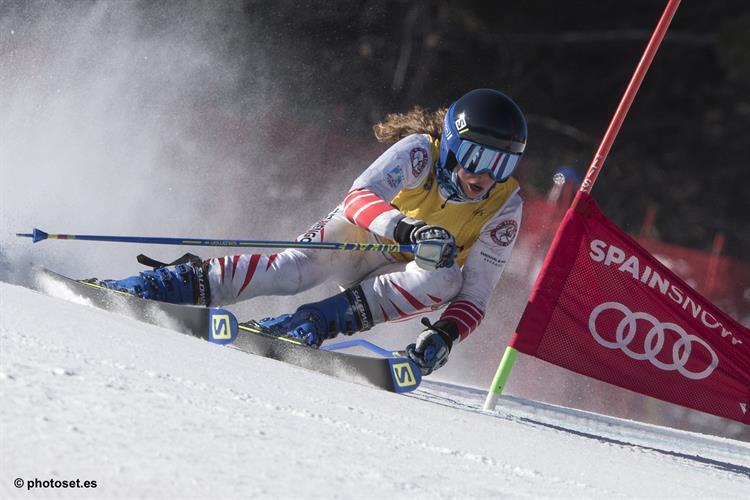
column 445, row 187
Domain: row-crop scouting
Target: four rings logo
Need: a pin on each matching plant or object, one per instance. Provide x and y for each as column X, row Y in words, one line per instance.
column 653, row 342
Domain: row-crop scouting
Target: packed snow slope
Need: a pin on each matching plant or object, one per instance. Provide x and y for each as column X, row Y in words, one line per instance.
column 147, row 412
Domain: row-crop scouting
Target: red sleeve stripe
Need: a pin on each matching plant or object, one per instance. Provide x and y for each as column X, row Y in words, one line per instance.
column 468, row 304
column 352, row 195
column 370, row 212
column 356, row 200
column 363, row 207
column 455, row 313
column 463, row 329
column 358, row 206
column 466, row 315
column 469, row 309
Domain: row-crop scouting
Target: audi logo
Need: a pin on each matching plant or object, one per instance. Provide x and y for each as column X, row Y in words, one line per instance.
column 653, row 342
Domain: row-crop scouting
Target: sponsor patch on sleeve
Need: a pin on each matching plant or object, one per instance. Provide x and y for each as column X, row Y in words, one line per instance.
column 395, row 177
column 418, row 158
column 505, row 232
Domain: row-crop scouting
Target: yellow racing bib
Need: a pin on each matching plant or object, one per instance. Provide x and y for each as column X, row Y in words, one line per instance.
column 464, row 220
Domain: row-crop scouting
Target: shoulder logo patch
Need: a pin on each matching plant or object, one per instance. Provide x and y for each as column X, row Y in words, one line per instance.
column 395, row 177
column 505, row 232
column 418, row 158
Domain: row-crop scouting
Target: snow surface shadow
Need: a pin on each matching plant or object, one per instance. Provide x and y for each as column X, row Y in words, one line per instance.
column 716, row 464
column 443, row 400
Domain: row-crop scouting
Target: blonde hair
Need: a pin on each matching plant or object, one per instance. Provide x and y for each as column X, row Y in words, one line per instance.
column 419, row 120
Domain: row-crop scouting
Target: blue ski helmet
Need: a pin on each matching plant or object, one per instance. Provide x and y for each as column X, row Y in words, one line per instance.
column 483, row 131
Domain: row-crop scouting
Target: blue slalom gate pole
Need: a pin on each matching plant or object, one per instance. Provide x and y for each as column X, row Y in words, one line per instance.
column 38, row 235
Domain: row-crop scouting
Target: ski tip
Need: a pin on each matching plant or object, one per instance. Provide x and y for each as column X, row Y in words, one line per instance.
column 405, row 374
column 222, row 326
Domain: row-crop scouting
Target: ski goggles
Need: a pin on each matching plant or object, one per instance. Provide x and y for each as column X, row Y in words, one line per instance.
column 478, row 159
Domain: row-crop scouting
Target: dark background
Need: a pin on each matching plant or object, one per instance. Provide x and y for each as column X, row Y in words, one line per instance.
column 683, row 149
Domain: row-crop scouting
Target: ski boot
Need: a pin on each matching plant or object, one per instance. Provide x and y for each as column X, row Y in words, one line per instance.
column 185, row 283
column 346, row 312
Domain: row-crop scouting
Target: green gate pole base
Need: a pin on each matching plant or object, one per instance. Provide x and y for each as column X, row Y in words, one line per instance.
column 501, row 377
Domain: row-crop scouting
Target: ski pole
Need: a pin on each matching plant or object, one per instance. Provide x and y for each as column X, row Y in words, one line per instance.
column 38, row 235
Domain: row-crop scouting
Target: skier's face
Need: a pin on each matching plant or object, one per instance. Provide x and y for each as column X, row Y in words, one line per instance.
column 474, row 186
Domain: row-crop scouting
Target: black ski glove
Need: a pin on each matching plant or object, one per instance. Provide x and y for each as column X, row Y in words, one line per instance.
column 433, row 345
